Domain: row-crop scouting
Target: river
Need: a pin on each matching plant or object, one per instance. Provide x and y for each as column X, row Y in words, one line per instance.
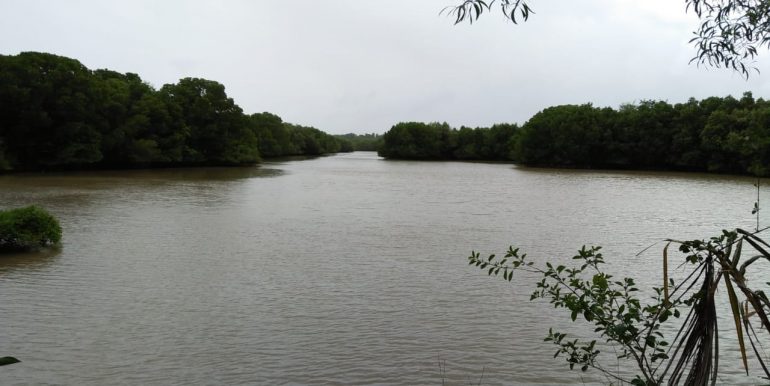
column 343, row 270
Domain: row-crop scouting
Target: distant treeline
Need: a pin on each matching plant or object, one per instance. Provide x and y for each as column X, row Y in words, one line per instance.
column 361, row 142
column 57, row 114
column 438, row 141
column 722, row 135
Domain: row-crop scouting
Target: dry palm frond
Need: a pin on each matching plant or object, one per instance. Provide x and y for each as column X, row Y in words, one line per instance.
column 698, row 342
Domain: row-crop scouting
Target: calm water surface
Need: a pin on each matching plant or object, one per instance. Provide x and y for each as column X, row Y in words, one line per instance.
column 342, row 270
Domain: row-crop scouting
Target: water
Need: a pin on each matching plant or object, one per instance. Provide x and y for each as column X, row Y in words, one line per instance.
column 343, row 270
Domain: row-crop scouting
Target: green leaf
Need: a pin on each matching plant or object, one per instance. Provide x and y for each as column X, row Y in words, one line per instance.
column 650, row 341
column 737, row 319
column 600, row 281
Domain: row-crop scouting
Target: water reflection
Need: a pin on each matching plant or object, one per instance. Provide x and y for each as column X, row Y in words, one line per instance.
column 638, row 174
column 44, row 180
column 206, row 174
column 66, row 193
column 28, row 260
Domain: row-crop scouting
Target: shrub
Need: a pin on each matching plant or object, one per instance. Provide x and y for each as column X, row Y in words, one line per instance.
column 28, row 228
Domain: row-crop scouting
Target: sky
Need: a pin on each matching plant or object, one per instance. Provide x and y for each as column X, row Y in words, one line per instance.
column 362, row 66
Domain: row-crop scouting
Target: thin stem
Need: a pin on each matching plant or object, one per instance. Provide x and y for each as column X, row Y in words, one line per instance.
column 757, row 205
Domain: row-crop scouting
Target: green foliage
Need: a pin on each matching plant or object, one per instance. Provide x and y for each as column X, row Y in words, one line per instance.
column 418, row 141
column 634, row 329
column 28, row 228
column 565, row 136
column 272, row 135
column 277, row 138
column 48, row 116
column 728, row 36
column 311, row 141
column 437, row 141
column 139, row 128
column 720, row 135
column 362, row 142
column 217, row 131
column 611, row 305
column 57, row 114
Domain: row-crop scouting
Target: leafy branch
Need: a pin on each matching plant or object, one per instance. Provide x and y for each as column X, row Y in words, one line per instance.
column 729, row 34
column 471, row 10
column 633, row 329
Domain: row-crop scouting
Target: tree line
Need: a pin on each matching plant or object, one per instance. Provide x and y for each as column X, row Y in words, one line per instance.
column 57, row 114
column 720, row 135
column 438, row 141
column 360, row 142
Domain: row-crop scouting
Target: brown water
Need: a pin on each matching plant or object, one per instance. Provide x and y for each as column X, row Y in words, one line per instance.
column 341, row 270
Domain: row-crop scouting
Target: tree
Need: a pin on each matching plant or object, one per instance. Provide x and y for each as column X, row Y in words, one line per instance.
column 645, row 132
column 729, row 34
column 470, row 144
column 499, row 139
column 361, row 142
column 272, row 136
column 567, row 135
column 417, row 140
column 137, row 128
column 57, row 114
column 47, row 112
column 718, row 135
column 218, row 130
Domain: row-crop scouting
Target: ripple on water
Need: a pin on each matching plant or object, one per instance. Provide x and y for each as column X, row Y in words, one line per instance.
column 339, row 270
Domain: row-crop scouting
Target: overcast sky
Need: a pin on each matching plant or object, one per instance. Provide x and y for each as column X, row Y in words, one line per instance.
column 364, row 65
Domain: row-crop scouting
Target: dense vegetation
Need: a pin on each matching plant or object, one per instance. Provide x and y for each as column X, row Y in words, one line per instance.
column 276, row 138
column 360, row 142
column 27, row 228
column 723, row 135
column 55, row 113
column 437, row 141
